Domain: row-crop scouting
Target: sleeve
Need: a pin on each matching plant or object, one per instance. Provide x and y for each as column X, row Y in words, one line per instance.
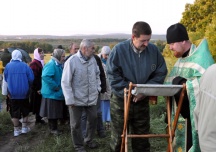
column 102, row 74
column 36, row 85
column 48, row 76
column 115, row 74
column 4, row 87
column 159, row 75
column 98, row 74
column 30, row 75
column 66, row 82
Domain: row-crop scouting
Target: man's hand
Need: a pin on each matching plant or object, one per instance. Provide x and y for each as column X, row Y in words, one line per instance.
column 138, row 97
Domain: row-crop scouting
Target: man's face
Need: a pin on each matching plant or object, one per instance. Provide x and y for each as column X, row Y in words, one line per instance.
column 89, row 51
column 177, row 48
column 74, row 48
column 141, row 42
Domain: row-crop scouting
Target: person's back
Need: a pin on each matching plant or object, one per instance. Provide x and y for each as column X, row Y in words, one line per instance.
column 205, row 111
column 18, row 76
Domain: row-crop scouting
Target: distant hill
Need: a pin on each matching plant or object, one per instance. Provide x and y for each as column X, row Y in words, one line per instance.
column 110, row 36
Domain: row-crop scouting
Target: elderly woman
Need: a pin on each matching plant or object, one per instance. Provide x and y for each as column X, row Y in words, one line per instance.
column 35, row 96
column 52, row 96
column 105, row 97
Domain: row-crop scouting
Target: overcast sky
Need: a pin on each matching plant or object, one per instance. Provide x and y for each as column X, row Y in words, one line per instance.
column 69, row 17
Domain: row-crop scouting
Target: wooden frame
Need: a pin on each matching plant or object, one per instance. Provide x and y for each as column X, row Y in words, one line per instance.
column 171, row 129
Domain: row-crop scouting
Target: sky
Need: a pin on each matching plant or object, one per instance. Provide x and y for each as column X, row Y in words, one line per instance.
column 71, row 17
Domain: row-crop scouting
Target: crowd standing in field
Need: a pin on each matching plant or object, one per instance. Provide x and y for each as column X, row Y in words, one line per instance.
column 89, row 89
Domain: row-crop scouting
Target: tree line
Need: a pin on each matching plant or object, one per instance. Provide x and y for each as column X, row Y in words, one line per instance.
column 49, row 44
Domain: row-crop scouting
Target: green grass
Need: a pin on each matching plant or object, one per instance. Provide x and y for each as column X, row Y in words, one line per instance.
column 42, row 141
column 5, row 123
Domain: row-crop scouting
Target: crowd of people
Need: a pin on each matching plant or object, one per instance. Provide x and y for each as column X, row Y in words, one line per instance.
column 88, row 89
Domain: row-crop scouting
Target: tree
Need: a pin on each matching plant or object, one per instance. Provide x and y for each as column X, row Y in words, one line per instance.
column 200, row 21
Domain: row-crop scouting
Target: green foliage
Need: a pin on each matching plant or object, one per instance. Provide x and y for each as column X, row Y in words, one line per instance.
column 160, row 45
column 200, row 21
column 28, row 46
column 210, row 34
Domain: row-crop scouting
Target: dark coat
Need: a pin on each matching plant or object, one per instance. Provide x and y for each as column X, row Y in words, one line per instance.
column 102, row 74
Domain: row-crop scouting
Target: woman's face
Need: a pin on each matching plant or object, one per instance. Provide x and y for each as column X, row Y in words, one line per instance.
column 41, row 55
column 62, row 58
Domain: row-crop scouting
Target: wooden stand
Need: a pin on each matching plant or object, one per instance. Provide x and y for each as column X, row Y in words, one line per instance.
column 171, row 130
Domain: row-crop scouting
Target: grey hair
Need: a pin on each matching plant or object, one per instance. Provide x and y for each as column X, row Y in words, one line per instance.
column 86, row 43
column 57, row 53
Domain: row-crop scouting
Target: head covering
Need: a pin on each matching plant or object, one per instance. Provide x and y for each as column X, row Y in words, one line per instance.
column 105, row 50
column 37, row 56
column 57, row 53
column 16, row 55
column 176, row 33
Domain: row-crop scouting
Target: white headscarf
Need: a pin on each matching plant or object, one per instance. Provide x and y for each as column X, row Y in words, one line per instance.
column 105, row 50
column 16, row 55
column 37, row 56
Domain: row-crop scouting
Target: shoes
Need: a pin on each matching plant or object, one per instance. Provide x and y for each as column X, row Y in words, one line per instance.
column 17, row 133
column 55, row 132
column 25, row 130
column 92, row 144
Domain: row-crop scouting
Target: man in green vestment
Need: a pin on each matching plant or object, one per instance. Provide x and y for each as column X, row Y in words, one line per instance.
column 191, row 64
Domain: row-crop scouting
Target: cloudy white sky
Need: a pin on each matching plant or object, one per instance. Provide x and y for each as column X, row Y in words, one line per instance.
column 69, row 17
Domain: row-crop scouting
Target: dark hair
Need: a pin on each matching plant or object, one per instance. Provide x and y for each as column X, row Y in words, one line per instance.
column 141, row 28
column 59, row 47
column 40, row 50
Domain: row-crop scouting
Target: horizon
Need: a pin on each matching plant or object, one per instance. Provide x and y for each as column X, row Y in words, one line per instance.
column 88, row 17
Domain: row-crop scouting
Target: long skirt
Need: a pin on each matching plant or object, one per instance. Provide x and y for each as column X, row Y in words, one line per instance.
column 52, row 109
column 105, row 108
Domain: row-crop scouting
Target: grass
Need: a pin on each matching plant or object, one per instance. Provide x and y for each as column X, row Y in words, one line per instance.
column 42, row 141
column 5, row 123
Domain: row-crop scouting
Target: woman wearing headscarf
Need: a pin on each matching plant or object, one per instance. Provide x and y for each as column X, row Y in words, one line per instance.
column 35, row 96
column 52, row 96
column 105, row 97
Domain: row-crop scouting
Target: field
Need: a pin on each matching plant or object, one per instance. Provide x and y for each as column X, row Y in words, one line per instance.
column 39, row 139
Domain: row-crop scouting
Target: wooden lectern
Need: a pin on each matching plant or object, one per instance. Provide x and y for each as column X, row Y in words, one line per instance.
column 152, row 90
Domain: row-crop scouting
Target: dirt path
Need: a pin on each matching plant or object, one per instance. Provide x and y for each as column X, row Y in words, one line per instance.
column 9, row 143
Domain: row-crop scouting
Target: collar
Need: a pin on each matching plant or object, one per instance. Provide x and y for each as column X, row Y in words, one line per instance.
column 134, row 48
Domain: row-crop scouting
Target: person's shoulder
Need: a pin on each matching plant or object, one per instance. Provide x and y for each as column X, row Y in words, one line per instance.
column 96, row 57
column 121, row 46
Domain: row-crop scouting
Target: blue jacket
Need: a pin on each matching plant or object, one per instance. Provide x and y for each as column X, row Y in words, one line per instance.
column 124, row 65
column 19, row 77
column 51, row 81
